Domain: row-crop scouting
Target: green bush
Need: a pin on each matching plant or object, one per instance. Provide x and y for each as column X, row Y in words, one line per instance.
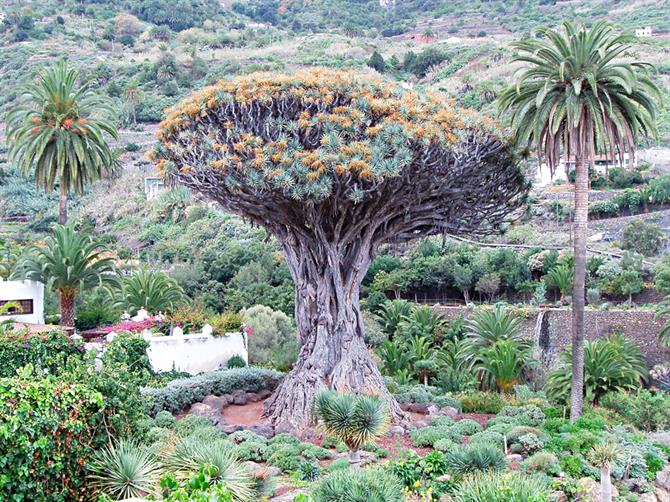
column 542, row 461
column 482, row 402
column 645, row 410
column 49, row 430
column 428, row 436
column 468, row 427
column 644, row 238
column 226, row 322
column 178, row 394
column 273, row 340
column 603, row 208
column 620, row 177
column 529, row 415
column 358, row 485
column 236, row 362
column 487, row 436
column 49, row 353
column 503, row 487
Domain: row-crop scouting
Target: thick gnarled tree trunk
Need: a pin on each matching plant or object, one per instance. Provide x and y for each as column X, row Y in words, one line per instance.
column 578, row 291
column 330, row 327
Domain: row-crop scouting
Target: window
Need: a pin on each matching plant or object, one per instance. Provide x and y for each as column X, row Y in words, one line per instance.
column 25, row 307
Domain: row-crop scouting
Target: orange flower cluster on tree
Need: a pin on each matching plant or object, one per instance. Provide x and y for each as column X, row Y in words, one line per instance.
column 296, row 133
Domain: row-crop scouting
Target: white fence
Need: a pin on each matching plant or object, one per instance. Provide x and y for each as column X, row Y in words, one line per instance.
column 193, row 352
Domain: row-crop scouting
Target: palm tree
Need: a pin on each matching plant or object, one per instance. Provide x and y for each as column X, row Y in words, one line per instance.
column 504, row 364
column 575, row 99
column 149, row 289
column 69, row 262
column 354, row 420
column 560, row 276
column 59, row 131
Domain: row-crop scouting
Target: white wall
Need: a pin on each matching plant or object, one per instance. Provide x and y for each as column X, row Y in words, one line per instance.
column 195, row 353
column 24, row 290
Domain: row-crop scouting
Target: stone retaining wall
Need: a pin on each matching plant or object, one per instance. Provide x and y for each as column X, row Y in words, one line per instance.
column 551, row 329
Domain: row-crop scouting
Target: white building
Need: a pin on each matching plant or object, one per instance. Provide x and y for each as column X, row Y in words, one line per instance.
column 645, row 31
column 30, row 297
column 153, row 187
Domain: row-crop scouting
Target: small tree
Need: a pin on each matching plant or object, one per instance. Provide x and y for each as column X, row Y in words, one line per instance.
column 334, row 164
column 354, row 420
column 152, row 290
column 377, row 62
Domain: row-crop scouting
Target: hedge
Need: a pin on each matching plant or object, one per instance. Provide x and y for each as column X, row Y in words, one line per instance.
column 178, row 394
column 48, row 353
column 48, row 432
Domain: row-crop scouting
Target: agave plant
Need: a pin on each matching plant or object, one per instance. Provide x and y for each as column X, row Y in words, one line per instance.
column 190, row 455
column 124, row 470
column 476, row 457
column 354, row 420
column 610, row 365
column 503, row 364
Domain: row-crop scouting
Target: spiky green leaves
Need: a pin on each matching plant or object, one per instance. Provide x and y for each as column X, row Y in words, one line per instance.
column 355, row 420
column 60, row 130
column 576, row 97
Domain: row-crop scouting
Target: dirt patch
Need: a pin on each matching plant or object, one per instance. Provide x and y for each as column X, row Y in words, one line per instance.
column 245, row 415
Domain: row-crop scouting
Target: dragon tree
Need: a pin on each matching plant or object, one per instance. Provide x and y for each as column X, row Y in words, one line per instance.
column 334, row 164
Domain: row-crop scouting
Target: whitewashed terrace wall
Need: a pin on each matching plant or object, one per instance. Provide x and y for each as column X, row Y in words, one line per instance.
column 24, row 290
column 195, row 352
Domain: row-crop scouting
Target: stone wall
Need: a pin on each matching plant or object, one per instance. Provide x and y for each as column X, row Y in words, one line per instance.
column 551, row 329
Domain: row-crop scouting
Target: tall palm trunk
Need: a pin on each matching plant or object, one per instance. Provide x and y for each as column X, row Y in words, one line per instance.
column 62, row 208
column 66, row 309
column 578, row 296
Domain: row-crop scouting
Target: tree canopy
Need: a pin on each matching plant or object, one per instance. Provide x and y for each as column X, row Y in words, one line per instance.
column 276, row 148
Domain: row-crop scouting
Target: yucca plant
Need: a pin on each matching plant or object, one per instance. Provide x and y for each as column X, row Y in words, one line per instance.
column 152, row 290
column 69, row 262
column 475, row 457
column 610, row 365
column 503, row 364
column 190, row 455
column 59, row 130
column 354, row 420
column 123, row 470
column 602, row 455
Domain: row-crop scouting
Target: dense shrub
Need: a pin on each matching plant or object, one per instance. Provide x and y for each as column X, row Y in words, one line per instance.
column 468, row 427
column 645, row 410
column 644, row 238
column 48, row 432
column 620, row 177
column 178, row 394
column 357, row 485
column 428, row 436
column 48, row 353
column 273, row 339
column 482, row 402
column 503, row 487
